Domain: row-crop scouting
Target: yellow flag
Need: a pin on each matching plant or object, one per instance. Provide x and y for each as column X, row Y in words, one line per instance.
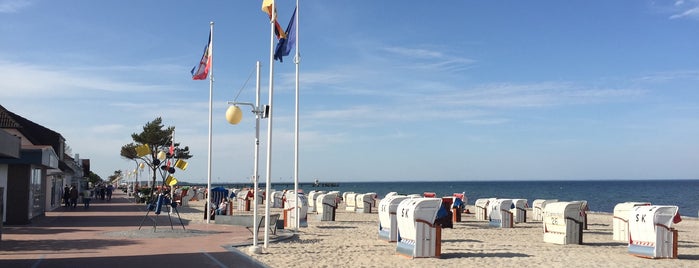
column 181, row 164
column 267, row 7
column 170, row 180
column 142, row 150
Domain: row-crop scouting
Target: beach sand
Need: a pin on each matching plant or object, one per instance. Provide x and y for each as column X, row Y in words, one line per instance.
column 352, row 241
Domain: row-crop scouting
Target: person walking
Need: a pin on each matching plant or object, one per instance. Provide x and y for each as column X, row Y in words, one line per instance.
column 87, row 197
column 73, row 196
column 66, row 196
column 109, row 190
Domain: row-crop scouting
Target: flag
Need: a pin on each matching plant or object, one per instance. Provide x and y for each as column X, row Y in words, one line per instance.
column 170, row 180
column 142, row 150
column 285, row 45
column 203, row 71
column 677, row 218
column 267, row 8
column 181, row 164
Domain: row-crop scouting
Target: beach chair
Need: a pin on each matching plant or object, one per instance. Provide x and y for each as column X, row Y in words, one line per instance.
column 217, row 194
column 178, row 197
column 273, row 218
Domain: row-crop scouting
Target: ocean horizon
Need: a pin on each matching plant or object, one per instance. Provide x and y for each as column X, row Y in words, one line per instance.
column 601, row 195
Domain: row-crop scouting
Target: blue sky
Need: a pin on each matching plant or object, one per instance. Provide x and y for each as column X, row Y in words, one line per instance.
column 390, row 90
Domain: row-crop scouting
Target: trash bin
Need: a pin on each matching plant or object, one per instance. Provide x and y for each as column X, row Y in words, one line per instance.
column 312, row 199
column 418, row 236
column 364, row 202
column 350, row 201
column 290, row 208
column 388, row 224
column 481, row 207
column 650, row 231
column 563, row 223
column 519, row 210
column 500, row 215
column 326, row 205
column 538, row 208
column 620, row 222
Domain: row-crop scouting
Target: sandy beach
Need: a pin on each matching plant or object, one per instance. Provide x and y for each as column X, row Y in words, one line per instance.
column 352, row 241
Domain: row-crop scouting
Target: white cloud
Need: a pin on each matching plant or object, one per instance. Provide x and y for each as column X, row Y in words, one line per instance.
column 13, row 6
column 685, row 9
column 414, row 52
column 109, row 128
column 690, row 13
column 672, row 75
column 31, row 81
column 544, row 94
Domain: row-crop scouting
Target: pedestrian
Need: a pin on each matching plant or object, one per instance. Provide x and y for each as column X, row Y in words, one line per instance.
column 73, row 196
column 103, row 192
column 110, row 189
column 87, row 197
column 66, row 196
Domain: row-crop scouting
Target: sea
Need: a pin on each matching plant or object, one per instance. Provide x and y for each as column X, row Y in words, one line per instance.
column 601, row 196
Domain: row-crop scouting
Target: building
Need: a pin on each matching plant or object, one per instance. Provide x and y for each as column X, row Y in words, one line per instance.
column 33, row 179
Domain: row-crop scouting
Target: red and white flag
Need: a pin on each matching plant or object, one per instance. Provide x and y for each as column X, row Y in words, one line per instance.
column 204, row 65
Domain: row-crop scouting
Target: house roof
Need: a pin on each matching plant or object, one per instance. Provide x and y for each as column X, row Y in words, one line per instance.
column 35, row 133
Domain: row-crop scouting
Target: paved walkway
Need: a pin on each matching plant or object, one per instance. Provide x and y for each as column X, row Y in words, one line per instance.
column 107, row 235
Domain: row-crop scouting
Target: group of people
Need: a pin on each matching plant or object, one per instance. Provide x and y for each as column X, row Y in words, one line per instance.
column 70, row 195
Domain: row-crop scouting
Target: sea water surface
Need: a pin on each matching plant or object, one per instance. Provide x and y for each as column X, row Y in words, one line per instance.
column 601, row 196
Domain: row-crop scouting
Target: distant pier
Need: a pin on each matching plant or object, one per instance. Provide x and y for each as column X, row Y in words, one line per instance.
column 277, row 185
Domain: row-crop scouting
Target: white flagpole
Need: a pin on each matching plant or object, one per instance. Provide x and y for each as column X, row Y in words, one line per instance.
column 211, row 93
column 268, row 180
column 296, row 137
column 255, row 174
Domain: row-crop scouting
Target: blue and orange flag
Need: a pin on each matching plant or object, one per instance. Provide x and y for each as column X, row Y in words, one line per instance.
column 204, row 64
column 272, row 13
column 286, row 44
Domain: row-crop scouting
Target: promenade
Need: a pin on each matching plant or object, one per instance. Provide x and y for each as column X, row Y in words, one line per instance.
column 107, row 235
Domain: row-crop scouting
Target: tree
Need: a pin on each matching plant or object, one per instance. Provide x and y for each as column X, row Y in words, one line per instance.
column 93, row 178
column 158, row 139
column 115, row 176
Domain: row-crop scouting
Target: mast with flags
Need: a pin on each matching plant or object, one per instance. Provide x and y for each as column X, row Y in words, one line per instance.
column 269, row 7
column 205, row 70
column 288, row 40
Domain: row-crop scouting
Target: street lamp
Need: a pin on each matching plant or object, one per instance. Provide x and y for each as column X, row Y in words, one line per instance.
column 234, row 115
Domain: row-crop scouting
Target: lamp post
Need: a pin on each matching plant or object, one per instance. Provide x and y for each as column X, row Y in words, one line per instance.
column 135, row 180
column 234, row 115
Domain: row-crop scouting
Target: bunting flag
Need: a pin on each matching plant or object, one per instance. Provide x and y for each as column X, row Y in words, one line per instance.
column 142, row 150
column 204, row 64
column 285, row 45
column 181, row 164
column 267, row 8
column 170, row 180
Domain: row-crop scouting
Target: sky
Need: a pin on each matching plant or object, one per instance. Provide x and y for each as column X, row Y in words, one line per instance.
column 389, row 90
